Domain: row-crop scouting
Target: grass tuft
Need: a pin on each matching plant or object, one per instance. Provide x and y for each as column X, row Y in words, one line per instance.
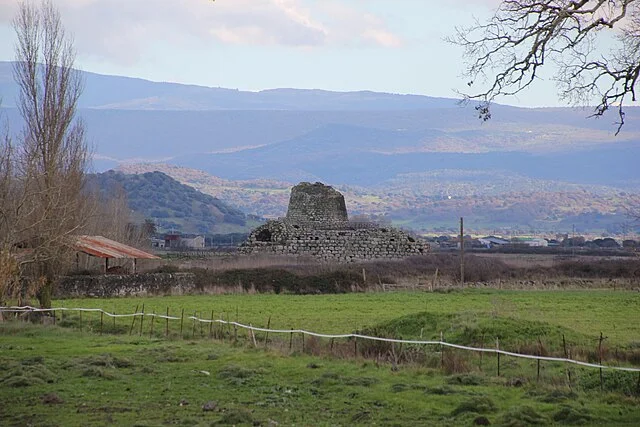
column 478, row 405
column 523, row 416
column 570, row 415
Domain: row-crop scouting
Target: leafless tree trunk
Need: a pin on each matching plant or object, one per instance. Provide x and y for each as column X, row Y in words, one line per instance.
column 507, row 53
column 48, row 203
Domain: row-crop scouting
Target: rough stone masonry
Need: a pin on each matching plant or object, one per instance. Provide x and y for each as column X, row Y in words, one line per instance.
column 317, row 225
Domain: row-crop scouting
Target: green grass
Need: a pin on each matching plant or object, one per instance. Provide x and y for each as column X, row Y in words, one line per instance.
column 69, row 374
column 585, row 313
column 55, row 376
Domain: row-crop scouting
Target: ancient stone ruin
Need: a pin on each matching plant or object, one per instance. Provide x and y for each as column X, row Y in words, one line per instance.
column 317, row 225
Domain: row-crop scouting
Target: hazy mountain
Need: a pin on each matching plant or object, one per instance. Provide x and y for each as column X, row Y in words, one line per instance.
column 400, row 147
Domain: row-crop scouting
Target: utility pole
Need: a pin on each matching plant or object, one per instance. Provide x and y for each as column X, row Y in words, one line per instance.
column 462, row 251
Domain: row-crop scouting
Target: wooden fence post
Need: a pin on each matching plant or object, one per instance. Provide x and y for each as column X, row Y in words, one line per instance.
column 355, row 347
column 181, row 323
column 482, row 352
column 211, row 326
column 153, row 318
column 193, row 330
column 498, row 349
column 101, row 321
column 441, row 350
column 166, row 325
column 538, row 360
column 566, row 356
column 266, row 337
column 142, row 320
column 600, row 361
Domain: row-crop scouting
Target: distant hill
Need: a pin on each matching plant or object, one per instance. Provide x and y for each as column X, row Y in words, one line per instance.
column 492, row 201
column 172, row 205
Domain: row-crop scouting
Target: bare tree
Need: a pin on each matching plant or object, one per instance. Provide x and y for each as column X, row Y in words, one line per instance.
column 44, row 172
column 507, row 52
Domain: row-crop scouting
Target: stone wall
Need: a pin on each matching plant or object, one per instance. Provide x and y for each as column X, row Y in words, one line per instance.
column 342, row 244
column 316, row 203
column 115, row 285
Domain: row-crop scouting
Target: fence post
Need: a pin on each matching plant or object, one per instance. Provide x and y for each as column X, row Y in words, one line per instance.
column 222, row 327
column 101, row 320
column 566, row 356
column 235, row 327
column 114, row 321
column 482, row 352
column 211, row 326
column 291, row 341
column 166, row 327
column 253, row 336
column 355, row 347
column 600, row 361
column 80, row 320
column 266, row 337
column 54, row 317
column 193, row 329
column 142, row 320
column 302, row 334
column 332, row 346
column 538, row 360
column 181, row 323
column 153, row 318
column 498, row 353
column 441, row 350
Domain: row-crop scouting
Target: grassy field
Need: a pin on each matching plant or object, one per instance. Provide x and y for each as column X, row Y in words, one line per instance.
column 53, row 375
column 585, row 312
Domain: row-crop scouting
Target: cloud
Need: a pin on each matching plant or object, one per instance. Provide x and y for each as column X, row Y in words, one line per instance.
column 121, row 30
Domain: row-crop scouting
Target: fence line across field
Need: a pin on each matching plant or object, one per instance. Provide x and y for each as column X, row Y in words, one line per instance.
column 319, row 335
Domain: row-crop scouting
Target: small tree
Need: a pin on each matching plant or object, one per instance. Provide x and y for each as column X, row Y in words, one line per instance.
column 508, row 51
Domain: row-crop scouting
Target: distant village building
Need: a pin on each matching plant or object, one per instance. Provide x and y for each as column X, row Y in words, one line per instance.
column 493, row 241
column 534, row 242
column 185, row 241
column 192, row 242
column 317, row 225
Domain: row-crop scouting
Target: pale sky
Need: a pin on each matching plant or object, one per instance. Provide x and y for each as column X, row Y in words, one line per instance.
column 381, row 45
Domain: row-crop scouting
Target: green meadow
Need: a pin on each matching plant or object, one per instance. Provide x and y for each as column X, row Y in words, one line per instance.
column 86, row 370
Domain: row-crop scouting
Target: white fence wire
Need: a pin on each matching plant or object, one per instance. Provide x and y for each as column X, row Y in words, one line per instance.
column 24, row 309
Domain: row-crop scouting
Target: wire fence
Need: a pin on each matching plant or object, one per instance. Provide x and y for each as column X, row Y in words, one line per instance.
column 441, row 342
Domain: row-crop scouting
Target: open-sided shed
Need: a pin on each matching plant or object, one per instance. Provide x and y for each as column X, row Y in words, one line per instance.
column 101, row 247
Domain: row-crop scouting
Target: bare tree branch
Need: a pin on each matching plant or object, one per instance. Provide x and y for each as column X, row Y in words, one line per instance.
column 506, row 54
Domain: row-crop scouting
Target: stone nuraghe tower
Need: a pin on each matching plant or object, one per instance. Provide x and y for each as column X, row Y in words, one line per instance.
column 317, row 225
column 316, row 203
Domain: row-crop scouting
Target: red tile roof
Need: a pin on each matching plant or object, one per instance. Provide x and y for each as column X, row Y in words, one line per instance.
column 102, row 247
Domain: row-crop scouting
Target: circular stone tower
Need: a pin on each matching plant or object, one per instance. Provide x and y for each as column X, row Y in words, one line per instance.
column 316, row 203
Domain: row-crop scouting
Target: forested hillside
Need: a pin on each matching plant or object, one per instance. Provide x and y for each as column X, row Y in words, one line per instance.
column 172, row 205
